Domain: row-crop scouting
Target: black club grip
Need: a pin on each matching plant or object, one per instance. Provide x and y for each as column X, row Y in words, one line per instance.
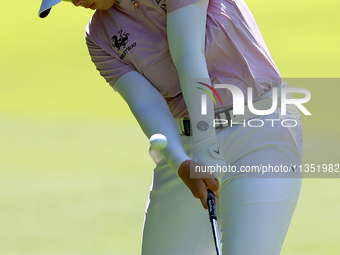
column 211, row 205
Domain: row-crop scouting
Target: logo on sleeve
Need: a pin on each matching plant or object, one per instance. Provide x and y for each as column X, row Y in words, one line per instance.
column 120, row 42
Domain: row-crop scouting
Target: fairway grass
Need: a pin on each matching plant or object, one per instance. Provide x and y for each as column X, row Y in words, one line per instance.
column 71, row 187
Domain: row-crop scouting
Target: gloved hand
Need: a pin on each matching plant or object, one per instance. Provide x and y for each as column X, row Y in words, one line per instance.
column 208, row 153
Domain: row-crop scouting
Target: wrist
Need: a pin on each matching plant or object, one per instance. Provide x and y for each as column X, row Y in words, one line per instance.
column 175, row 158
column 183, row 166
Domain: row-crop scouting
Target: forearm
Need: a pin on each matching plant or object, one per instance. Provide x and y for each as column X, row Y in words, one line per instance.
column 188, row 25
column 153, row 115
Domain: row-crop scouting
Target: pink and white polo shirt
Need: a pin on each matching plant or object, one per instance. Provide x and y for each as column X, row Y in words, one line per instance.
column 127, row 38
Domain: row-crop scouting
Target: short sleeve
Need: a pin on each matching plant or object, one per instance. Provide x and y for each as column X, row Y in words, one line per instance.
column 108, row 66
column 173, row 5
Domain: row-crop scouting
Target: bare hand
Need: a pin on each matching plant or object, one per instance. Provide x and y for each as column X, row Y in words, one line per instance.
column 198, row 186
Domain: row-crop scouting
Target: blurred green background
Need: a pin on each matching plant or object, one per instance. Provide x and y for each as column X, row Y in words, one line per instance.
column 74, row 166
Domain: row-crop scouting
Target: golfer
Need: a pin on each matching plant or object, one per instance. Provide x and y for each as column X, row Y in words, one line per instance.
column 164, row 57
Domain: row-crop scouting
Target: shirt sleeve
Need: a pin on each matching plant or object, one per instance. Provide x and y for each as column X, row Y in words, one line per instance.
column 173, row 5
column 108, row 66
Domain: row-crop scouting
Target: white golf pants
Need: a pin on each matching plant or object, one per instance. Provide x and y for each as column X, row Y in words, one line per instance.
column 253, row 213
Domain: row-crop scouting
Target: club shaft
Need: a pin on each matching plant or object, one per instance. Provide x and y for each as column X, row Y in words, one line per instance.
column 216, row 236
